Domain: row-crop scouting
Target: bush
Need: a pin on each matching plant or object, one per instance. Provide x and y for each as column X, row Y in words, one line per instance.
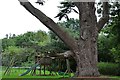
column 108, row 68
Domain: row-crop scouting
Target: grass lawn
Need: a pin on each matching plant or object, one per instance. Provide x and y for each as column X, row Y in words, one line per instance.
column 0, row 72
column 15, row 72
column 115, row 77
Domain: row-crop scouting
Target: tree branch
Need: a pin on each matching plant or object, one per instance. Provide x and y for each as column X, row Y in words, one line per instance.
column 66, row 54
column 77, row 4
column 49, row 23
column 105, row 16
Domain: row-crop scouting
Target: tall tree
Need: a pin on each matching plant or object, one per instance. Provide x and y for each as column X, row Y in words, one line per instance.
column 85, row 48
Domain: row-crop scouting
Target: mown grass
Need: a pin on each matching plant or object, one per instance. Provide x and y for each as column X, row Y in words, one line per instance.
column 118, row 77
column 15, row 72
column 0, row 72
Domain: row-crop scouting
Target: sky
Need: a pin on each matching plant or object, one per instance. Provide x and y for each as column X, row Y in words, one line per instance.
column 15, row 19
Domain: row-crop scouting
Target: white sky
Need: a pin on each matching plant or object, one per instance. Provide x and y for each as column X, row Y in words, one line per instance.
column 15, row 19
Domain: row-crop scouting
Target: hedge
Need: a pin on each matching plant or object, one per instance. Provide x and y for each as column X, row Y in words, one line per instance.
column 108, row 68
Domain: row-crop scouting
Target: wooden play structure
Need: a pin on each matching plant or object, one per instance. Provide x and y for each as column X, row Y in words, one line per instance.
column 46, row 65
column 60, row 61
column 44, row 62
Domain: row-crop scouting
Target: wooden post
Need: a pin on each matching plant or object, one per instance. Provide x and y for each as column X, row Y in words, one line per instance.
column 68, row 67
column 40, row 69
column 44, row 69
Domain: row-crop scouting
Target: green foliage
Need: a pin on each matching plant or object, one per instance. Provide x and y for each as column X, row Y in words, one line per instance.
column 7, row 42
column 109, row 38
column 104, row 46
column 109, row 47
column 71, row 26
column 56, row 45
column 32, row 38
column 108, row 68
column 23, row 47
column 65, row 9
column 14, row 53
column 116, row 54
column 13, row 50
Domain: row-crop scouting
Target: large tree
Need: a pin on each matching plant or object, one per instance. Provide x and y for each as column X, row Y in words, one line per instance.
column 84, row 48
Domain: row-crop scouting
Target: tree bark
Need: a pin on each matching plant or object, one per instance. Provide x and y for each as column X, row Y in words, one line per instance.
column 105, row 16
column 86, row 51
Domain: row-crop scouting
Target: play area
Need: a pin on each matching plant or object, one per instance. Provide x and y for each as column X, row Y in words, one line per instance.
column 44, row 66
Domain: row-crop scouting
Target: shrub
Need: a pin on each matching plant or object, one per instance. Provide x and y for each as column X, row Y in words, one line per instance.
column 108, row 68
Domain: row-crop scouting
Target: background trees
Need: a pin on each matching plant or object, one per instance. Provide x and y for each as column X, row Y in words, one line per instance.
column 24, row 47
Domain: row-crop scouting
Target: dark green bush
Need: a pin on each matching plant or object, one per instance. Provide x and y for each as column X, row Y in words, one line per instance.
column 108, row 68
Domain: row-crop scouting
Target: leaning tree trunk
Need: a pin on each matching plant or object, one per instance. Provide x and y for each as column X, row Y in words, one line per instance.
column 86, row 50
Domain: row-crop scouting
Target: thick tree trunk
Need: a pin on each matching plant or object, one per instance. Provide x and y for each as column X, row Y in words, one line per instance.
column 86, row 50
column 86, row 59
